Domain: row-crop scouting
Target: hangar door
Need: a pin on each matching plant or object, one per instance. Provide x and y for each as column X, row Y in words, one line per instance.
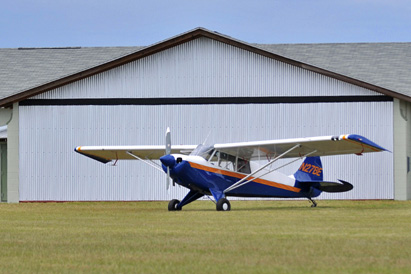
column 51, row 170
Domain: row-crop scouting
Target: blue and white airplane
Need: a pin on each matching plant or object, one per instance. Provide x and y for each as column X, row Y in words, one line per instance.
column 235, row 169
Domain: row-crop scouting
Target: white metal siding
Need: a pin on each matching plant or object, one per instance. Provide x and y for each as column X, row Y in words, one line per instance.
column 205, row 68
column 51, row 170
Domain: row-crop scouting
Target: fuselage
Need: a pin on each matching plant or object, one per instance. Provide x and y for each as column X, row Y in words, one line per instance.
column 207, row 177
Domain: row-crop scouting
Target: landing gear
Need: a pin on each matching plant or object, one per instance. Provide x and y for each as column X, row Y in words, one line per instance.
column 173, row 205
column 314, row 202
column 223, row 205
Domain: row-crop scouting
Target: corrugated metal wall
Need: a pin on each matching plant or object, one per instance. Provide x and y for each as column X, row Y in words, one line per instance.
column 51, row 170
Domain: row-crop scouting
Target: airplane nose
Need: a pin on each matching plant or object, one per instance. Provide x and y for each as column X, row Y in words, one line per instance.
column 168, row 161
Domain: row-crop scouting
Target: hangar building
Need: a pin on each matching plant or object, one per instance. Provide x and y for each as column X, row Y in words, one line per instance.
column 207, row 87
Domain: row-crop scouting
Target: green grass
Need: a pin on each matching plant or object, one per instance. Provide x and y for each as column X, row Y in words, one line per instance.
column 255, row 237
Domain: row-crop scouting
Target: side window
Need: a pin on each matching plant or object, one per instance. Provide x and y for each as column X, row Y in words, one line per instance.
column 230, row 162
column 226, row 161
column 243, row 166
column 223, row 160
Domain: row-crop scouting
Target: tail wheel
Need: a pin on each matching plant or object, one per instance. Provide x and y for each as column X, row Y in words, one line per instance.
column 223, row 205
column 173, row 205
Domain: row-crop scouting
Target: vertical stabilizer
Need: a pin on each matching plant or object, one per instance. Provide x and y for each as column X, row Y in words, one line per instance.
column 310, row 170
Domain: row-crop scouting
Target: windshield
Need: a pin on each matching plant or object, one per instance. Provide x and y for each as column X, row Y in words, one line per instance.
column 203, row 151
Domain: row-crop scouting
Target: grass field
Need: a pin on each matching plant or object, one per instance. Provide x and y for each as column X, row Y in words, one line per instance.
column 255, row 237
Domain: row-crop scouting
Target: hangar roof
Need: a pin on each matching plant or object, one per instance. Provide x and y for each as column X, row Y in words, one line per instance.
column 25, row 68
column 387, row 65
column 382, row 67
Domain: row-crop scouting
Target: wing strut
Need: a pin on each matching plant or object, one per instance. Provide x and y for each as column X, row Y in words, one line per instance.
column 289, row 163
column 145, row 161
column 241, row 182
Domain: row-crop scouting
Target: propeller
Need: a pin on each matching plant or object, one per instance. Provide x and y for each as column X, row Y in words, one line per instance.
column 168, row 152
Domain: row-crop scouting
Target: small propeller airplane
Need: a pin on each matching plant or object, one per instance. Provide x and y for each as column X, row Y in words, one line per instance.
column 235, row 169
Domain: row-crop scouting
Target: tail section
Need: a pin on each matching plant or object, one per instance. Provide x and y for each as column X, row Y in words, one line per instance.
column 309, row 177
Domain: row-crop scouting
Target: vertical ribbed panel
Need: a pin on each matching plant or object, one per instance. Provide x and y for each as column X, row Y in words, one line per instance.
column 205, row 68
column 51, row 170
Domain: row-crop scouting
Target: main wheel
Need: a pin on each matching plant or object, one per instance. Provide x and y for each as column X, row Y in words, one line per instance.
column 223, row 205
column 173, row 205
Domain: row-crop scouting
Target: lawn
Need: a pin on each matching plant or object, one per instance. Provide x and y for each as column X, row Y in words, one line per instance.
column 254, row 237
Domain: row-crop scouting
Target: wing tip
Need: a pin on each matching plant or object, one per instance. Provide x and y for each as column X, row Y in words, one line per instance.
column 100, row 159
column 364, row 140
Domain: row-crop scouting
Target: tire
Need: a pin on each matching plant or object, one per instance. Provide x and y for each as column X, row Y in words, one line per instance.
column 173, row 205
column 223, row 205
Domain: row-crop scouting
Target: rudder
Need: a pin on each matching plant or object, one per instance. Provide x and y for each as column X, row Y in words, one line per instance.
column 310, row 170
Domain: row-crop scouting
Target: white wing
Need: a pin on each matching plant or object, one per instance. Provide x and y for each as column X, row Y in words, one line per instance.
column 106, row 154
column 317, row 146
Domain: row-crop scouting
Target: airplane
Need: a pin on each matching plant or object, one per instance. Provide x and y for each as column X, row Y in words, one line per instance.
column 236, row 169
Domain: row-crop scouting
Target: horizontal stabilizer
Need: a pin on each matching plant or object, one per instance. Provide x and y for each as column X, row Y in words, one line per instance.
column 342, row 186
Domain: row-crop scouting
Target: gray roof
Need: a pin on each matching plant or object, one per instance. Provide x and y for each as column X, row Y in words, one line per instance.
column 387, row 65
column 383, row 67
column 23, row 69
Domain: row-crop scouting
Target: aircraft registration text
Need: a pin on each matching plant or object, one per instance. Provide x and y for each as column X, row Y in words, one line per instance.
column 308, row 168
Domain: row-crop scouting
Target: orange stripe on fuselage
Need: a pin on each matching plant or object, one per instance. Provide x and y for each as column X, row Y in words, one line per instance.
column 240, row 176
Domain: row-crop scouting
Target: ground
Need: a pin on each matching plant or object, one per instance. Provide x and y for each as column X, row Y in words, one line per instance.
column 254, row 237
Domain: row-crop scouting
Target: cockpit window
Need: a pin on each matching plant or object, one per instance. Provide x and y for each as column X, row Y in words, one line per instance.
column 231, row 162
column 243, row 166
column 221, row 159
column 225, row 160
